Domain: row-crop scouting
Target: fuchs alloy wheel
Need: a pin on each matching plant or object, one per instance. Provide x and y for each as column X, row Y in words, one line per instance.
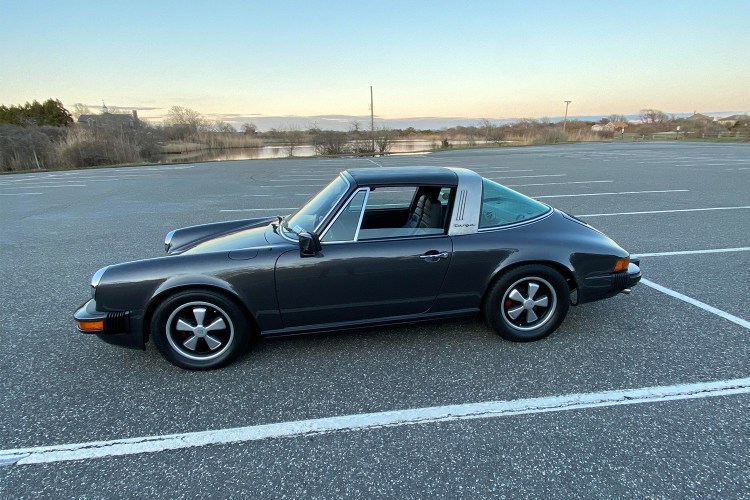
column 527, row 303
column 199, row 330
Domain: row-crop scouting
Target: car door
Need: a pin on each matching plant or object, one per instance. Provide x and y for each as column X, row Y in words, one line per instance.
column 359, row 277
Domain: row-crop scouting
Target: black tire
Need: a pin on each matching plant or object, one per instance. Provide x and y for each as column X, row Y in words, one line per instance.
column 535, row 294
column 200, row 330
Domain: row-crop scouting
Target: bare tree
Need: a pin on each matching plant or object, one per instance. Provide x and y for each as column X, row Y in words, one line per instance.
column 653, row 116
column 185, row 119
column 249, row 128
column 78, row 110
column 491, row 132
column 222, row 127
column 330, row 142
column 292, row 137
column 384, row 139
column 360, row 143
column 617, row 118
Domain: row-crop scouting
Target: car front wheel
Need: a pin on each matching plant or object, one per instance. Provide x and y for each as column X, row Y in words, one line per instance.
column 199, row 330
column 527, row 303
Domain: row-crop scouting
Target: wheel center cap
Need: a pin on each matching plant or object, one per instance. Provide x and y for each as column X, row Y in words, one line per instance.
column 200, row 331
column 528, row 304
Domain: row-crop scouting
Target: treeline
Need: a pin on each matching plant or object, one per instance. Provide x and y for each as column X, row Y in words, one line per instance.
column 51, row 112
column 45, row 136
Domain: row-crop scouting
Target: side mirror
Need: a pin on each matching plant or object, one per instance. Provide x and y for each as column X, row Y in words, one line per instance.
column 309, row 244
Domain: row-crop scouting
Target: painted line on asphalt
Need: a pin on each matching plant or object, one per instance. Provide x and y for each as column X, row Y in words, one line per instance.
column 665, row 211
column 368, row 421
column 608, row 194
column 16, row 194
column 286, row 186
column 697, row 303
column 505, row 171
column 39, row 186
column 692, row 252
column 257, row 209
column 280, row 182
column 554, row 183
column 530, row 176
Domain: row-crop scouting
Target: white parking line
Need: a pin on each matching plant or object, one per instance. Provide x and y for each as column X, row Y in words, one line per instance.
column 286, row 186
column 693, row 252
column 666, row 211
column 258, row 209
column 554, row 183
column 697, row 303
column 608, row 194
column 530, row 176
column 366, row 421
column 42, row 186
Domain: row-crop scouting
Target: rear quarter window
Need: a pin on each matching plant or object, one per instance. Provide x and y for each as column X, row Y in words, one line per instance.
column 502, row 206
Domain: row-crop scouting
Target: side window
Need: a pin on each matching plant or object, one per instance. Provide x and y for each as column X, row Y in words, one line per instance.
column 501, row 205
column 391, row 197
column 344, row 228
column 397, row 212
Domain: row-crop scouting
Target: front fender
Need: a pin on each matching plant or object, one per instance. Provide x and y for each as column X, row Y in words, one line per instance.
column 197, row 281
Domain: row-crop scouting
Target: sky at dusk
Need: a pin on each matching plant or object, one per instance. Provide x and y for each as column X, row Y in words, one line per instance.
column 268, row 60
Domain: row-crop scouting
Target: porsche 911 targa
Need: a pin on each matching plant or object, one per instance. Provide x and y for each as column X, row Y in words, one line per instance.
column 376, row 246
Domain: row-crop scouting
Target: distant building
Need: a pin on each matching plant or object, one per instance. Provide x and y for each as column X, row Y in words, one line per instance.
column 697, row 117
column 731, row 121
column 606, row 127
column 110, row 120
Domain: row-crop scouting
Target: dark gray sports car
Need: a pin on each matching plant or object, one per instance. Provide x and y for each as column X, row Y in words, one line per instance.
column 375, row 246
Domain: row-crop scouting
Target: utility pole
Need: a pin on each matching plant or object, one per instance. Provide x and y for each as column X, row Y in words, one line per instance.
column 565, row 121
column 372, row 121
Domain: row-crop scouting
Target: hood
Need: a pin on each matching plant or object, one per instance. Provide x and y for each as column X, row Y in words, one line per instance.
column 217, row 237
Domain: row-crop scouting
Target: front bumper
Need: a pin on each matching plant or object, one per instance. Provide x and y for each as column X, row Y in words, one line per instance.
column 607, row 285
column 114, row 327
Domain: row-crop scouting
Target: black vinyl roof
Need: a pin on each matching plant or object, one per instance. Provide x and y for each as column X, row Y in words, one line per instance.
column 403, row 175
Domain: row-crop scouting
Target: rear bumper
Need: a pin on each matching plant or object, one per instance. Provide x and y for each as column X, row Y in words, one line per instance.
column 610, row 284
column 113, row 327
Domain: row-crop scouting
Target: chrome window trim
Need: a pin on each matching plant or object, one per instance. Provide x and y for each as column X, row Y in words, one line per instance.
column 348, row 187
column 315, row 230
column 519, row 223
column 341, row 210
column 362, row 215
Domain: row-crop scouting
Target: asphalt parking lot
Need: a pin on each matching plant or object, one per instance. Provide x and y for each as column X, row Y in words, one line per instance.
column 685, row 208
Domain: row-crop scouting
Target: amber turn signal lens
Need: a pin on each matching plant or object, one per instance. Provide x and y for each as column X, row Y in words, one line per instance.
column 622, row 264
column 91, row 326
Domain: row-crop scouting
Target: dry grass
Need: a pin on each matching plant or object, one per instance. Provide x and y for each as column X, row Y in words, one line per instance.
column 211, row 140
column 84, row 148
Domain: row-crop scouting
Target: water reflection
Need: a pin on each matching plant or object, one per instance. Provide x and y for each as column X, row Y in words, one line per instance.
column 281, row 151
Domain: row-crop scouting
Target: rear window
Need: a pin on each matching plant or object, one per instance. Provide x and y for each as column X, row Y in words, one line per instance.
column 501, row 206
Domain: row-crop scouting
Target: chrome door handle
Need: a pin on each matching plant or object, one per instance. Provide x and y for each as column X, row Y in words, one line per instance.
column 441, row 255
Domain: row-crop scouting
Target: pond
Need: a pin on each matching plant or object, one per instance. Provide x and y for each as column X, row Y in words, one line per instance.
column 282, row 151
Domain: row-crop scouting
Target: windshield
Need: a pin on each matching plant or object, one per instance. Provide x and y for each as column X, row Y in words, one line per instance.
column 309, row 217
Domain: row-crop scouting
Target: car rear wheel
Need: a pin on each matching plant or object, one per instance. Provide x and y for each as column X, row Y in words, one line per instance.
column 199, row 330
column 527, row 303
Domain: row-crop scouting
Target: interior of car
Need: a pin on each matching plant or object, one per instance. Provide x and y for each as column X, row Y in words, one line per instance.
column 426, row 214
